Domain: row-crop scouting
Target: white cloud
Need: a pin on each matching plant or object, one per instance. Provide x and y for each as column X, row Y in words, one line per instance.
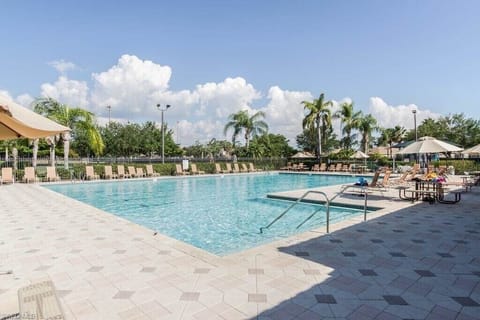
column 71, row 92
column 25, row 100
column 389, row 116
column 62, row 66
column 6, row 94
column 188, row 132
column 226, row 97
column 132, row 87
column 285, row 112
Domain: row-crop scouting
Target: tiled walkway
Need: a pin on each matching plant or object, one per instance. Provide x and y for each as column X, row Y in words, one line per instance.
column 420, row 262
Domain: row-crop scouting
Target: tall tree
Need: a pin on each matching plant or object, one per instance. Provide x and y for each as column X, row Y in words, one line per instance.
column 318, row 118
column 251, row 126
column 389, row 136
column 350, row 121
column 366, row 125
column 75, row 118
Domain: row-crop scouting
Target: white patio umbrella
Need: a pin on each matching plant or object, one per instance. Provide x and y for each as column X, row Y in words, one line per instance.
column 472, row 150
column 17, row 122
column 360, row 155
column 429, row 145
column 302, row 155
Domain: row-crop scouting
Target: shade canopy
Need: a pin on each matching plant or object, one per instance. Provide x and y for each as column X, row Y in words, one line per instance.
column 302, row 155
column 19, row 122
column 429, row 145
column 472, row 150
column 359, row 155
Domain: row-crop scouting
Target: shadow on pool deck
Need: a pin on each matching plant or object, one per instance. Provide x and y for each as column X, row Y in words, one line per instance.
column 421, row 262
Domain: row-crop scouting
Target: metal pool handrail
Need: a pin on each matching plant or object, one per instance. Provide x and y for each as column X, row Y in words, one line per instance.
column 327, row 206
column 297, row 202
column 365, row 192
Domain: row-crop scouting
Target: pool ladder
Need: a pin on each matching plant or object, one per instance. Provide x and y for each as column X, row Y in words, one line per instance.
column 327, row 206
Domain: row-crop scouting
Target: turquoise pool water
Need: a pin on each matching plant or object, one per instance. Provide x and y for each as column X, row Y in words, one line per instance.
column 220, row 214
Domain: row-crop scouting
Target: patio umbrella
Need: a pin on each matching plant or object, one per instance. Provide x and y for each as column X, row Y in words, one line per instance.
column 360, row 155
column 302, row 155
column 17, row 121
column 429, row 145
column 472, row 150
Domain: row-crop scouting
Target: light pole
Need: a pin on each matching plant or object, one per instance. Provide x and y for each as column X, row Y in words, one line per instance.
column 414, row 111
column 163, row 130
column 178, row 133
column 109, row 112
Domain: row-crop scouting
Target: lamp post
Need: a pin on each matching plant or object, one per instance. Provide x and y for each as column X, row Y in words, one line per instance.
column 109, row 112
column 414, row 111
column 163, row 130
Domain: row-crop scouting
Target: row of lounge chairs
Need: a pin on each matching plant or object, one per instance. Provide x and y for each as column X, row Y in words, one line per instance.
column 122, row 172
column 51, row 175
column 129, row 172
column 237, row 168
column 333, row 167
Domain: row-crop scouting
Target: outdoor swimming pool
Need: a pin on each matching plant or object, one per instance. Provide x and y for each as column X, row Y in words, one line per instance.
column 220, row 214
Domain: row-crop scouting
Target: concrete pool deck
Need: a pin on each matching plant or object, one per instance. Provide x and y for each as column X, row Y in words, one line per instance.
column 415, row 261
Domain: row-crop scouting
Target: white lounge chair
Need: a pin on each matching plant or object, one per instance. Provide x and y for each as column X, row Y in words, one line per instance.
column 7, row 175
column 195, row 170
column 52, row 174
column 150, row 171
column 29, row 175
column 109, row 173
column 90, row 173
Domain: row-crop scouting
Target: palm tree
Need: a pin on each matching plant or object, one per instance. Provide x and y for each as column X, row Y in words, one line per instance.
column 390, row 136
column 75, row 118
column 349, row 120
column 319, row 118
column 241, row 121
column 366, row 125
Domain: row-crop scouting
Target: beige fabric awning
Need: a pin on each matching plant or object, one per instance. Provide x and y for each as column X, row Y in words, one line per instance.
column 19, row 122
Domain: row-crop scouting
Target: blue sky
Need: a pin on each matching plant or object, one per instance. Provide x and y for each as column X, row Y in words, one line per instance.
column 386, row 56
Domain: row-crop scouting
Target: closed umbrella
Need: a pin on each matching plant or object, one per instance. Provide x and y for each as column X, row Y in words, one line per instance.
column 17, row 122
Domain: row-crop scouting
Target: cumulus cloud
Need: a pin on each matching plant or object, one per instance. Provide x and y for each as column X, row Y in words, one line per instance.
column 23, row 99
column 389, row 116
column 285, row 112
column 6, row 94
column 230, row 95
column 62, row 66
column 188, row 132
column 132, row 87
column 71, row 92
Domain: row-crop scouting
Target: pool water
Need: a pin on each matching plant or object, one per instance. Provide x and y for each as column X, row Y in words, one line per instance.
column 220, row 214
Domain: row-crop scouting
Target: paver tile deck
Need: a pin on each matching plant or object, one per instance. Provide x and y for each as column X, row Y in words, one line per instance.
column 406, row 261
